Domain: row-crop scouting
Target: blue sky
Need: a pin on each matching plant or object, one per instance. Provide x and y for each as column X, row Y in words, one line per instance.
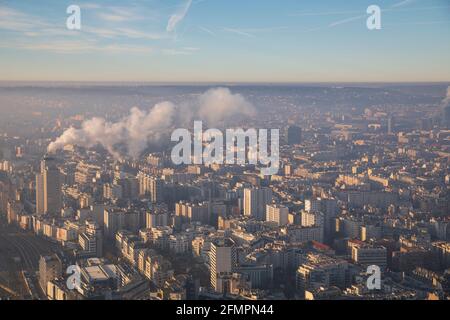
column 225, row 41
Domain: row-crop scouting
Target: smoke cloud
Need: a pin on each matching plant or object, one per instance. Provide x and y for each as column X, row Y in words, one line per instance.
column 134, row 133
column 219, row 104
column 446, row 100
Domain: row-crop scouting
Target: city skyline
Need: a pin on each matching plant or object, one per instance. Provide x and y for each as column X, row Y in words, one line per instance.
column 255, row 41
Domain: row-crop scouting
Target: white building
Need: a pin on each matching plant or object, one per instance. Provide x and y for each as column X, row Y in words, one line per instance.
column 222, row 259
column 278, row 214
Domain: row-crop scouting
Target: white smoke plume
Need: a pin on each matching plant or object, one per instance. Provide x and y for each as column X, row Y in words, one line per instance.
column 446, row 100
column 219, row 104
column 134, row 133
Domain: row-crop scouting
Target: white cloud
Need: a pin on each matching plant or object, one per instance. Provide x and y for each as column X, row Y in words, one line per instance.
column 137, row 34
column 120, row 14
column 124, row 32
column 79, row 46
column 13, row 20
column 178, row 17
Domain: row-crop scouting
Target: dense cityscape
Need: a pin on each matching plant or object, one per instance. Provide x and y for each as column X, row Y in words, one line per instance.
column 363, row 182
column 224, row 158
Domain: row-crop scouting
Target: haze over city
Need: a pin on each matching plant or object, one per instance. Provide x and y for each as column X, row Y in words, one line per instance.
column 225, row 150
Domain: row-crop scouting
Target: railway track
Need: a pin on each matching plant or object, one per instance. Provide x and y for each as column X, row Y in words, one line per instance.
column 26, row 260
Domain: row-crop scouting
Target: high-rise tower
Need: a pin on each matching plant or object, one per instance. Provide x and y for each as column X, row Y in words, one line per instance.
column 223, row 259
column 48, row 188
